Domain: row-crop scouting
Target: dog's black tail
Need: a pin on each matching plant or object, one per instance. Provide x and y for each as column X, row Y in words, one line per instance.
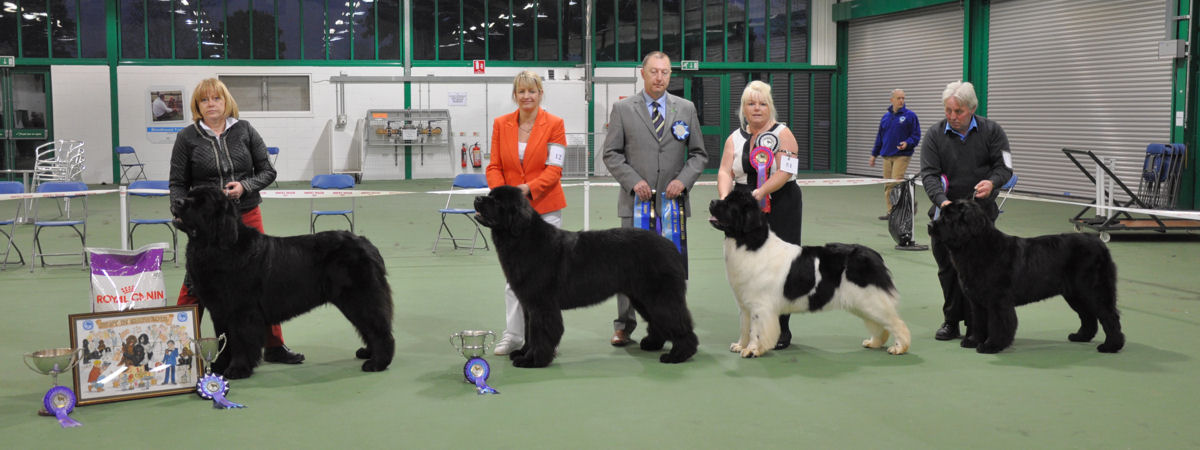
column 865, row 267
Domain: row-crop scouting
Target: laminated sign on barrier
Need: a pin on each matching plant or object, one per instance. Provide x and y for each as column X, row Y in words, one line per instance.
column 123, row 280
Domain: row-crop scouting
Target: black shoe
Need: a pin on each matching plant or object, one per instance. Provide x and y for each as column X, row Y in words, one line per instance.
column 947, row 332
column 283, row 355
column 883, row 217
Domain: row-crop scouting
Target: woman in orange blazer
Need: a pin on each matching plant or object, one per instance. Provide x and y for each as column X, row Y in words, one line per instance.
column 528, row 149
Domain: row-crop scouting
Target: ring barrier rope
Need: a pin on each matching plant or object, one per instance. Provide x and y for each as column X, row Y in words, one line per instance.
column 314, row 193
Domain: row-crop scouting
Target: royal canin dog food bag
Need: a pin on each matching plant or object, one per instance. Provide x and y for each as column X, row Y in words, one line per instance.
column 127, row 279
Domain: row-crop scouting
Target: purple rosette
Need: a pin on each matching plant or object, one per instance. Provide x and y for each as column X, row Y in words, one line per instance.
column 60, row 401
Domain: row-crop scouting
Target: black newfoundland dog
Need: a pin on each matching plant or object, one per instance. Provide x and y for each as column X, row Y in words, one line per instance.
column 770, row 277
column 247, row 280
column 999, row 272
column 551, row 270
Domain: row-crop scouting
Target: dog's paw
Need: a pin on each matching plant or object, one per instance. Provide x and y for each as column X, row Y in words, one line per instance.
column 671, row 358
column 373, row 366
column 1108, row 347
column 1080, row 337
column 897, row 349
column 735, row 347
column 872, row 343
column 529, row 361
column 968, row 342
column 651, row 344
column 752, row 351
column 363, row 353
column 988, row 347
column 234, row 373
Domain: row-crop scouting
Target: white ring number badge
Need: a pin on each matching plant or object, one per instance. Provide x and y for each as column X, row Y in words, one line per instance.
column 789, row 164
column 557, row 156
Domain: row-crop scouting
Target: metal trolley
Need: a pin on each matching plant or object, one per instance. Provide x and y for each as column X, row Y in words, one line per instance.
column 1158, row 188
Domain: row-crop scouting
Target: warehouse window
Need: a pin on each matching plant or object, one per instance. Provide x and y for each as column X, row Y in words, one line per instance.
column 277, row 93
column 252, row 30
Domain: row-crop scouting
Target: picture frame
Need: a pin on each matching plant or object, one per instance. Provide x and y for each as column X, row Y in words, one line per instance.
column 135, row 354
column 166, row 105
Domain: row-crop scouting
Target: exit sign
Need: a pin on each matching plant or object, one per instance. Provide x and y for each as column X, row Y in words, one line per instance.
column 8, row 61
column 689, row 65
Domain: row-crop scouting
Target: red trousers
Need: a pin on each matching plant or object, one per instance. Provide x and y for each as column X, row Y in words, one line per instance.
column 252, row 218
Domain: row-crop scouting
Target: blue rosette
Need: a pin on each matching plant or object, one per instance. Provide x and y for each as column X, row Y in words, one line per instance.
column 680, row 130
column 477, row 372
column 644, row 216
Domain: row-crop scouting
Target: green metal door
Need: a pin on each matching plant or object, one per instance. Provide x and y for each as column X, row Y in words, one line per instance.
column 25, row 115
column 710, row 93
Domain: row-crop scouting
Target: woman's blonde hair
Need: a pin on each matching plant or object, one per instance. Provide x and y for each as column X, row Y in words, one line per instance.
column 527, row 79
column 213, row 86
column 756, row 88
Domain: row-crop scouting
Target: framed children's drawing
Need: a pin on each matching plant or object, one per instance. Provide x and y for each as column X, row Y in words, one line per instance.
column 135, row 354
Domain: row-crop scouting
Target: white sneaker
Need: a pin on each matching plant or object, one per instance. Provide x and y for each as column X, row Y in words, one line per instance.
column 506, row 346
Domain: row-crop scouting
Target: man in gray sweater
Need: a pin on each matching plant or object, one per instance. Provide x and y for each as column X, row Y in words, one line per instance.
column 964, row 156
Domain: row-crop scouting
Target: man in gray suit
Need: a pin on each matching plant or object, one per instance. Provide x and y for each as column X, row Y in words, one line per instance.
column 653, row 144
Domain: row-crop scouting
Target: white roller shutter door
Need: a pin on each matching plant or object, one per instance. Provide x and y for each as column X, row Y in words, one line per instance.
column 1078, row 74
column 919, row 51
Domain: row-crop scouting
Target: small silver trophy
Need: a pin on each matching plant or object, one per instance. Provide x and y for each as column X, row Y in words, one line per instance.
column 212, row 386
column 473, row 344
column 59, row 400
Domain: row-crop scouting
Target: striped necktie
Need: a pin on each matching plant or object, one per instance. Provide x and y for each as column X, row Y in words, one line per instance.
column 658, row 120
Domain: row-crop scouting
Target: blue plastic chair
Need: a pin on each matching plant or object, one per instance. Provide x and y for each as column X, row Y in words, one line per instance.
column 462, row 181
column 123, row 154
column 73, row 222
column 333, row 181
column 169, row 222
column 11, row 187
column 1006, row 191
column 273, row 153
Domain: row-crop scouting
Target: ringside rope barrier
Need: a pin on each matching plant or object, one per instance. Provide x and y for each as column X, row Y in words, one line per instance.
column 316, row 193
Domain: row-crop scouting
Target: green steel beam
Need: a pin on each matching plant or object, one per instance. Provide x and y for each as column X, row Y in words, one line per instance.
column 1189, row 192
column 838, row 101
column 975, row 48
column 111, row 25
column 858, row 9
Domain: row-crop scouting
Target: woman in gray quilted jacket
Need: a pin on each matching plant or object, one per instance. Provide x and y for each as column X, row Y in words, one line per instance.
column 220, row 150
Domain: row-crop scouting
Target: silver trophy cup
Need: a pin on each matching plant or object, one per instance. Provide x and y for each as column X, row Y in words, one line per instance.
column 207, row 349
column 59, row 401
column 212, row 386
column 473, row 344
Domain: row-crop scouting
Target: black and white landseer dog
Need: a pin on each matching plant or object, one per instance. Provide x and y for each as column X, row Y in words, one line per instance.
column 770, row 277
column 247, row 281
column 999, row 272
column 551, row 270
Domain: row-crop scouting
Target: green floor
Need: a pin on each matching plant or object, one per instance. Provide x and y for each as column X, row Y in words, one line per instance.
column 823, row 392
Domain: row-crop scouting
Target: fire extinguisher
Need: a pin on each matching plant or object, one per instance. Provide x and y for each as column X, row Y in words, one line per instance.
column 476, row 156
column 464, row 155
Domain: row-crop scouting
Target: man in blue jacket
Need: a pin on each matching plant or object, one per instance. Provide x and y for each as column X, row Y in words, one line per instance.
column 899, row 133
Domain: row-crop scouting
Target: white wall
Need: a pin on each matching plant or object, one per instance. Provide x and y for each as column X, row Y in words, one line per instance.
column 473, row 122
column 605, row 95
column 297, row 135
column 81, row 112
